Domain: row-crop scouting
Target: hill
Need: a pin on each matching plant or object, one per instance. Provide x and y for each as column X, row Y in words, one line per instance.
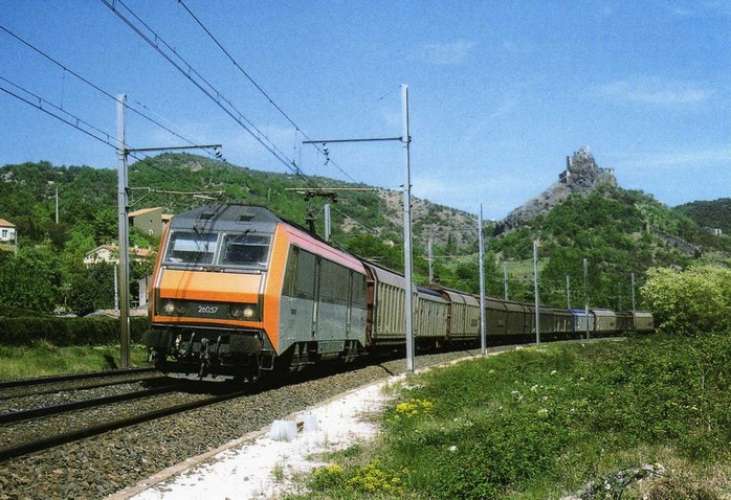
column 581, row 176
column 587, row 215
column 710, row 214
column 619, row 231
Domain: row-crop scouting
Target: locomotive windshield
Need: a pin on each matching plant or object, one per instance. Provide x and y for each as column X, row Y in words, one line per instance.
column 192, row 248
column 245, row 250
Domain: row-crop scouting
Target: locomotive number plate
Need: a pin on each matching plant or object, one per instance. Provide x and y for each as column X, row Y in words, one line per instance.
column 207, row 309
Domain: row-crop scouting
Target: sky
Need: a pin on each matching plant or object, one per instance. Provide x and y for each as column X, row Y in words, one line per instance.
column 500, row 92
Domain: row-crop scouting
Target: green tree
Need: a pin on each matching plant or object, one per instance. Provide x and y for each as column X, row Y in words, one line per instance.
column 91, row 288
column 30, row 279
column 697, row 300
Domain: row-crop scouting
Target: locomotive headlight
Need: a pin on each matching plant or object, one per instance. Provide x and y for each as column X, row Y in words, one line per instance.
column 169, row 307
column 243, row 311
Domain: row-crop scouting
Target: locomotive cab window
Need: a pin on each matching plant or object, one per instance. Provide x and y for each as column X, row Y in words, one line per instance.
column 248, row 250
column 192, row 248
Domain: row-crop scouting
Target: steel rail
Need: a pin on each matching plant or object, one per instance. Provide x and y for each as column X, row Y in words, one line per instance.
column 19, row 450
column 43, row 411
column 82, row 387
column 63, row 378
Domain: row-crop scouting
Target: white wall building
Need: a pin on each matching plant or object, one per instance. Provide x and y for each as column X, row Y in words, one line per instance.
column 110, row 254
column 8, row 234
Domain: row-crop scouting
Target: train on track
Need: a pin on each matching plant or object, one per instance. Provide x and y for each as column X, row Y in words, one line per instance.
column 238, row 291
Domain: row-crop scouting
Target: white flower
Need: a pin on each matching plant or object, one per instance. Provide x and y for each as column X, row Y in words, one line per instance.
column 453, row 448
column 534, row 388
column 543, row 412
column 554, row 372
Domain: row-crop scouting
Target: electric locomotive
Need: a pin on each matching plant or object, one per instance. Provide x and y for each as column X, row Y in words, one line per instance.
column 237, row 291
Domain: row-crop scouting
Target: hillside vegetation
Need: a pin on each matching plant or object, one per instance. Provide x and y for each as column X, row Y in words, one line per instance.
column 584, row 419
column 711, row 214
column 619, row 231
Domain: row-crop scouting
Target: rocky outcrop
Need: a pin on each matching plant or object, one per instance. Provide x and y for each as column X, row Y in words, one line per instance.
column 582, row 175
column 430, row 219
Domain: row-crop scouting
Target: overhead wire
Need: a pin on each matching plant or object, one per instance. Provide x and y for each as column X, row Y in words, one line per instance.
column 101, row 90
column 261, row 89
column 108, row 137
column 289, row 163
column 69, row 119
column 196, row 78
column 204, row 85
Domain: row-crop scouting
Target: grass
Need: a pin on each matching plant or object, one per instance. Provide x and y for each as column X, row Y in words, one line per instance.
column 42, row 358
column 542, row 422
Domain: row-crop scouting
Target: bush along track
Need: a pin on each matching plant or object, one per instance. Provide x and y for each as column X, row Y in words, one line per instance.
column 648, row 416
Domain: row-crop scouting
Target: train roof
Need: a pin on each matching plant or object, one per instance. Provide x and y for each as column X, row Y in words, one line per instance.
column 428, row 291
column 227, row 217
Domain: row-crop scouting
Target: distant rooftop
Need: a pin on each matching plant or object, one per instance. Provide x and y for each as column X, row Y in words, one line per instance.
column 6, row 223
column 143, row 211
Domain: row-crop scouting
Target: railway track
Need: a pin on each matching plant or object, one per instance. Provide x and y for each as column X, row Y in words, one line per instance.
column 22, row 448
column 27, row 382
column 49, row 385
column 43, row 411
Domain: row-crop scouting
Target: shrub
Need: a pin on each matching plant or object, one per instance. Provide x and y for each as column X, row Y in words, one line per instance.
column 66, row 331
column 689, row 302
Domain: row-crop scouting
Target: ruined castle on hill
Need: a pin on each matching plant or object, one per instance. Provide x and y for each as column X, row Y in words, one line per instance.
column 582, row 175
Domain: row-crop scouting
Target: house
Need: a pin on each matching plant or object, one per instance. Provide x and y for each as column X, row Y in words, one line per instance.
column 149, row 220
column 110, row 254
column 8, row 235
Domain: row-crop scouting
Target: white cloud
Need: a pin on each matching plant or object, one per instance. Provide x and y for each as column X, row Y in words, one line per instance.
column 392, row 119
column 696, row 8
column 490, row 122
column 514, row 47
column 605, row 11
column 654, row 91
column 448, row 52
column 672, row 159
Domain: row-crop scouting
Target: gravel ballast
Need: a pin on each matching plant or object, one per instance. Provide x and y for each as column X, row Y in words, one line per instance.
column 30, row 401
column 103, row 464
